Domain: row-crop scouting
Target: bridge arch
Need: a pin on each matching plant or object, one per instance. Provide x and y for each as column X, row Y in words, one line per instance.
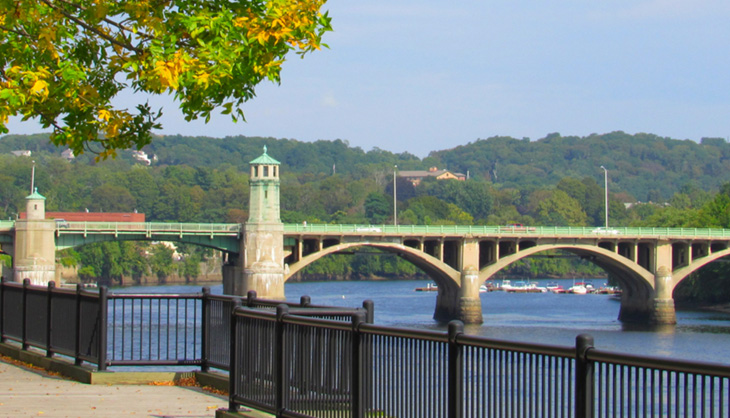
column 682, row 272
column 638, row 284
column 625, row 269
column 440, row 272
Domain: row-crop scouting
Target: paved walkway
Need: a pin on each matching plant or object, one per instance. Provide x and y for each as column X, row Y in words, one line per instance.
column 27, row 392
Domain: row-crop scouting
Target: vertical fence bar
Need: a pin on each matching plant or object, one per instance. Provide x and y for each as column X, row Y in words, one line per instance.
column 205, row 331
column 2, row 309
column 24, row 332
column 279, row 369
column 357, row 409
column 456, row 367
column 584, row 377
column 103, row 326
column 49, row 331
column 77, row 339
column 234, row 373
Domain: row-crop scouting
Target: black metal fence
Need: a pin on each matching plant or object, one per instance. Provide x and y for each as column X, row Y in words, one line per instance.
column 294, row 366
column 300, row 360
column 109, row 329
column 59, row 321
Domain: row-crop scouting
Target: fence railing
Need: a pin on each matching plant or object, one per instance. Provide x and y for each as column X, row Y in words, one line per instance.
column 59, row 321
column 117, row 329
column 300, row 360
column 293, row 366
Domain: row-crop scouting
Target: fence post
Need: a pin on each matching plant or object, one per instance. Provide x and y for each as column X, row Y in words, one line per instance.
column 357, row 407
column 251, row 298
column 205, row 332
column 455, row 366
column 584, row 377
column 2, row 309
column 103, row 327
column 23, row 336
column 279, row 358
column 77, row 319
column 49, row 322
column 233, row 373
column 369, row 306
column 305, row 301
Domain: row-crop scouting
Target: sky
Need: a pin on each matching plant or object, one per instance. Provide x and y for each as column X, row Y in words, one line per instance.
column 420, row 76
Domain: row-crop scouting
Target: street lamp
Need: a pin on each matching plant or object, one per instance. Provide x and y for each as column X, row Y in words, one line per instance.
column 395, row 200
column 32, row 178
column 605, row 186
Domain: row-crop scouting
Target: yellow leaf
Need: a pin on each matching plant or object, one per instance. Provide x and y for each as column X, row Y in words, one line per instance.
column 104, row 115
column 40, row 88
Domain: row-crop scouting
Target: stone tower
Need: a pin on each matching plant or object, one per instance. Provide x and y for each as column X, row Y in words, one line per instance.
column 35, row 249
column 260, row 266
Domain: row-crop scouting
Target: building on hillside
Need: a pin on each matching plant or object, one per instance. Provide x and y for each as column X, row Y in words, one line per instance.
column 142, row 157
column 21, row 153
column 416, row 176
column 68, row 154
column 93, row 216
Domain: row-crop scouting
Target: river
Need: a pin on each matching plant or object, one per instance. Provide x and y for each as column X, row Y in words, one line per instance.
column 529, row 317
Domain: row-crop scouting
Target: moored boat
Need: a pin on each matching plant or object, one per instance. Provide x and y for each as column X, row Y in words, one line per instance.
column 429, row 288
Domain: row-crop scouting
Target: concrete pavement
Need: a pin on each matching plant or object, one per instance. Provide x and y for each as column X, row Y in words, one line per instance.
column 26, row 392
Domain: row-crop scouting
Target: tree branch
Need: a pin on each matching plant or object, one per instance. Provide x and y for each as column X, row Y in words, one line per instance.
column 92, row 29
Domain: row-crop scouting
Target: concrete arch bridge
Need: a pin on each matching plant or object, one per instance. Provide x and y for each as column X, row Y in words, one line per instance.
column 648, row 262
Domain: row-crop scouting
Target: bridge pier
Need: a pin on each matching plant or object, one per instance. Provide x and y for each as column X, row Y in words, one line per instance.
column 460, row 302
column 649, row 306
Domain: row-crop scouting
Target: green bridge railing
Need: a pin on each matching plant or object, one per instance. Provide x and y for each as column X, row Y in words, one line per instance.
column 354, row 229
column 502, row 230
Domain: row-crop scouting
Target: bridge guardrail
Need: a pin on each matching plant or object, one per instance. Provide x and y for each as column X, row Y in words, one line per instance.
column 7, row 224
column 610, row 232
column 148, row 227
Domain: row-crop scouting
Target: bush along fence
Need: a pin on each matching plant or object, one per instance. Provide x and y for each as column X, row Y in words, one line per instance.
column 301, row 360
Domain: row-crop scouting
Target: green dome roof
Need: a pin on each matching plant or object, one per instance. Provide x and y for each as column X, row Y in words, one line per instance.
column 264, row 159
column 35, row 195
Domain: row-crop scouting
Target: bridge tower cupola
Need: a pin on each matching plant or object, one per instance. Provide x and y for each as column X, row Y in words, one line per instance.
column 264, row 190
column 35, row 206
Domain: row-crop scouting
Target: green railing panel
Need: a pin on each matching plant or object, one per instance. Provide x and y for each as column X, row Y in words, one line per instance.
column 530, row 231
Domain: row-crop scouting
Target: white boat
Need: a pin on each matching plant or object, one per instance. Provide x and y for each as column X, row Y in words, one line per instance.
column 483, row 289
column 578, row 289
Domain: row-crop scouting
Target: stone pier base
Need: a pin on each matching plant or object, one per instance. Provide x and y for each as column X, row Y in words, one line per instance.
column 664, row 313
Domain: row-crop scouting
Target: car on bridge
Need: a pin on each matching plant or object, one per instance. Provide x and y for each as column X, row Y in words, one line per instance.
column 517, row 228
column 605, row 231
column 61, row 223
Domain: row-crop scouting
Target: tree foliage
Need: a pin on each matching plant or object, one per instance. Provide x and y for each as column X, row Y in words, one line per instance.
column 64, row 61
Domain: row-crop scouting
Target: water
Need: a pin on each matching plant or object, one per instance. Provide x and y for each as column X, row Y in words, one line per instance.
column 545, row 318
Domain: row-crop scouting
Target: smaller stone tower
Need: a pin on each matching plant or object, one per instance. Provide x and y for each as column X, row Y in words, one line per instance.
column 35, row 245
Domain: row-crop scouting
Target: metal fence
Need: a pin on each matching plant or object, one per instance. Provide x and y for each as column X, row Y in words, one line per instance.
column 109, row 329
column 300, row 360
column 294, row 366
column 59, row 321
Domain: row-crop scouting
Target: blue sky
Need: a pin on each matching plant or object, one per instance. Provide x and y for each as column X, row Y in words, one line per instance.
column 427, row 75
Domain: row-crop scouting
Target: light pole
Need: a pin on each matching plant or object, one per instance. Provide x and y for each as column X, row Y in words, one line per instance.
column 395, row 199
column 605, row 186
column 32, row 178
